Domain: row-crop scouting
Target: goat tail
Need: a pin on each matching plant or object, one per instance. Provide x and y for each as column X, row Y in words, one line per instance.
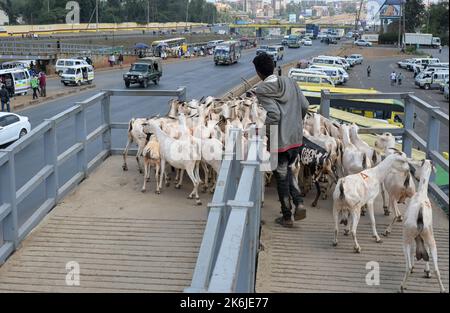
column 374, row 157
column 341, row 190
column 421, row 251
column 130, row 124
column 364, row 161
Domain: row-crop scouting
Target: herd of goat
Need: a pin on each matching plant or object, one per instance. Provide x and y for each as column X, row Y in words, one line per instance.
column 193, row 136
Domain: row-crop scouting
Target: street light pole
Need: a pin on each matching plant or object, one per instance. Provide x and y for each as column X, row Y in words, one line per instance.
column 187, row 12
column 96, row 13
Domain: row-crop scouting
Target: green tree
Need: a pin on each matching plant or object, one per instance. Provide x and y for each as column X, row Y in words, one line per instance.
column 414, row 14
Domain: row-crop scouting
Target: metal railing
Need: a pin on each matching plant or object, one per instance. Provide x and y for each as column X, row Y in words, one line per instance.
column 436, row 118
column 12, row 229
column 37, row 48
column 227, row 258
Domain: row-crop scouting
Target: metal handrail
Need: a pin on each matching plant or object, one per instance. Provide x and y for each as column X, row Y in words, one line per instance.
column 436, row 118
column 11, row 231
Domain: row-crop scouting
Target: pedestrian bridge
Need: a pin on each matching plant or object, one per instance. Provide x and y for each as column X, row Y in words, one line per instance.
column 127, row 241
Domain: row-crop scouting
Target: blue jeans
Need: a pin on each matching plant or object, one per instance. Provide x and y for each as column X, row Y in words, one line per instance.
column 7, row 106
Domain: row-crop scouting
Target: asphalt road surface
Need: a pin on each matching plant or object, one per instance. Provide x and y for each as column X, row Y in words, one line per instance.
column 200, row 76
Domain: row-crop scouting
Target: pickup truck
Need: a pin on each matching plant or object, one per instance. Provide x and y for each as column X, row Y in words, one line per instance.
column 143, row 72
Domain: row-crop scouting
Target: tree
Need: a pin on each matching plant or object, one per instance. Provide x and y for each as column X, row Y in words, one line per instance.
column 438, row 20
column 414, row 14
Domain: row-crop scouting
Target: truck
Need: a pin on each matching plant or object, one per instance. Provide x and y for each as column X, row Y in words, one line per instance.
column 370, row 37
column 312, row 30
column 422, row 40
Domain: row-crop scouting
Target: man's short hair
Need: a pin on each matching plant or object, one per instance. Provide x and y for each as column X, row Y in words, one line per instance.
column 264, row 64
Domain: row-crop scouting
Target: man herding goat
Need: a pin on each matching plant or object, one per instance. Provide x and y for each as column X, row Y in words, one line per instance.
column 285, row 103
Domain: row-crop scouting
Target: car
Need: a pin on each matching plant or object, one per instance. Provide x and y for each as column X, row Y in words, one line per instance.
column 262, row 49
column 404, row 63
column 143, row 72
column 362, row 43
column 355, row 59
column 13, row 127
column 307, row 41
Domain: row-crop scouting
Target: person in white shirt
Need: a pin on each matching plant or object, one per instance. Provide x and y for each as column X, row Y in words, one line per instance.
column 393, row 77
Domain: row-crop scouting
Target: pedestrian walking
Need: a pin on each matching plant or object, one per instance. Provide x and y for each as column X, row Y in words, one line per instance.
column 280, row 72
column 121, row 60
column 393, row 78
column 111, row 60
column 43, row 84
column 284, row 103
column 10, row 85
column 4, row 98
column 399, row 78
column 440, row 49
column 35, row 87
column 369, row 71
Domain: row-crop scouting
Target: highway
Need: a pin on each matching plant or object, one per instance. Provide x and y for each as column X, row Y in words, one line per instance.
column 200, row 76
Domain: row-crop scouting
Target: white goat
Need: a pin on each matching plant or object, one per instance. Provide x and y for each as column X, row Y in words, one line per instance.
column 182, row 154
column 398, row 186
column 354, row 191
column 139, row 134
column 353, row 160
column 152, row 157
column 418, row 227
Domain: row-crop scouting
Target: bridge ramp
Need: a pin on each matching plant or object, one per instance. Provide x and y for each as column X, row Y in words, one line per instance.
column 302, row 259
column 123, row 240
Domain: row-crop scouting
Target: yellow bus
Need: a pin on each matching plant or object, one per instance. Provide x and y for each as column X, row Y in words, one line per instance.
column 391, row 110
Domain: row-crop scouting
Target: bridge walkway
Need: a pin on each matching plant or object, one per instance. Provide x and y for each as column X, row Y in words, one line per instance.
column 123, row 240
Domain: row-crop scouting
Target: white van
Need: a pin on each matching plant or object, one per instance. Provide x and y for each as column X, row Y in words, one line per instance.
column 333, row 72
column 312, row 79
column 419, row 64
column 431, row 80
column 21, row 79
column 62, row 64
column 327, row 61
column 77, row 75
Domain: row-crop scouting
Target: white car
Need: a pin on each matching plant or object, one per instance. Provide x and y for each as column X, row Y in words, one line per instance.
column 13, row 127
column 355, row 59
column 307, row 41
column 362, row 43
column 404, row 63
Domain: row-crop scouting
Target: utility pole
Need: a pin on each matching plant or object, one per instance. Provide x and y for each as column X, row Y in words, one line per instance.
column 148, row 13
column 48, row 6
column 187, row 12
column 96, row 13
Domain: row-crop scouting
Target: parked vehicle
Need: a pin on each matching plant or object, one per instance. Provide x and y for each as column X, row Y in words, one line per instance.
column 404, row 63
column 143, row 72
column 228, row 52
column 422, row 40
column 78, row 75
column 312, row 79
column 431, row 80
column 327, row 61
column 13, row 127
column 420, row 64
column 338, row 75
column 435, row 68
column 355, row 59
column 63, row 64
column 21, row 79
column 362, row 43
column 284, row 41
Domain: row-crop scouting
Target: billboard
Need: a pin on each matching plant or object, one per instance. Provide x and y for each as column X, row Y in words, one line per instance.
column 382, row 9
column 292, row 18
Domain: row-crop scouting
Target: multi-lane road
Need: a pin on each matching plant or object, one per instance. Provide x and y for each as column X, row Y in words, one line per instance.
column 200, row 76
